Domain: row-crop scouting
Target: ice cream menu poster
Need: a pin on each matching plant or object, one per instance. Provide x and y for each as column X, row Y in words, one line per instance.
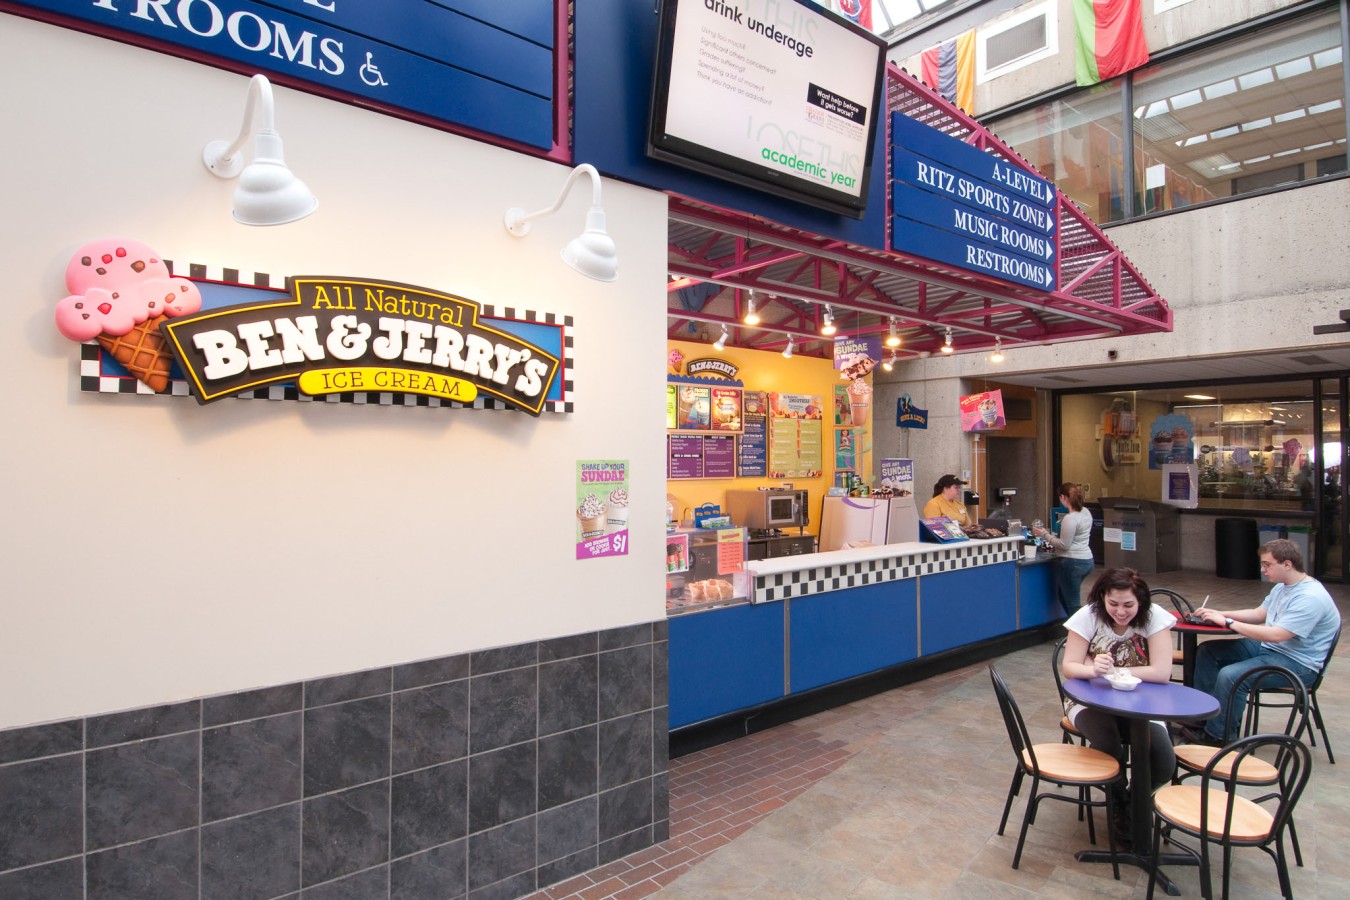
column 753, row 445
column 796, row 430
column 602, row 508
column 700, row 456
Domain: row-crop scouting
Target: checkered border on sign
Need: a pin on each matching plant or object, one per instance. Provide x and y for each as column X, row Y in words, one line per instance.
column 822, row 580
column 92, row 379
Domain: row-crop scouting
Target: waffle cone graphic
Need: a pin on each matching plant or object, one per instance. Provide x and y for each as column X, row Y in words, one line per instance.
column 143, row 351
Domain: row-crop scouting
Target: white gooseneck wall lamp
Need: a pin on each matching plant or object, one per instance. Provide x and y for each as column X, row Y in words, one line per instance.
column 592, row 252
column 268, row 192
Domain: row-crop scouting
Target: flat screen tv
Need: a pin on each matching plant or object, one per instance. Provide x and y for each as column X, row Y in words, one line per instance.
column 779, row 95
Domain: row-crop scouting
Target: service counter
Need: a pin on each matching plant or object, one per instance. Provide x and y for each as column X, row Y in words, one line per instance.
column 822, row 619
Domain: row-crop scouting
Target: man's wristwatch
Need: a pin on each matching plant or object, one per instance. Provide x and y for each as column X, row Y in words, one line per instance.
column 1228, row 620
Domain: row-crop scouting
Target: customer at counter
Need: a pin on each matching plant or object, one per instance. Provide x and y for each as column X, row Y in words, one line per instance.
column 1073, row 557
column 945, row 502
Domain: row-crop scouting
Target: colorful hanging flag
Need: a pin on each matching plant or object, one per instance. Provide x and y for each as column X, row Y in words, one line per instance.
column 1109, row 39
column 859, row 12
column 949, row 68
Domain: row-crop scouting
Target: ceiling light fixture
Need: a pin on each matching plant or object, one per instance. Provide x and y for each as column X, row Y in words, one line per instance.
column 947, row 344
column 751, row 317
column 268, row 192
column 889, row 364
column 828, row 328
column 787, row 351
column 892, row 336
column 592, row 252
column 721, row 343
column 998, row 351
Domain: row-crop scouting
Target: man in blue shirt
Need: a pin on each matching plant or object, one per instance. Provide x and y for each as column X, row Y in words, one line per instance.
column 1293, row 627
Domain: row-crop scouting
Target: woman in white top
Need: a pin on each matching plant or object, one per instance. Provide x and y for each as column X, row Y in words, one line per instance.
column 1073, row 558
column 1120, row 629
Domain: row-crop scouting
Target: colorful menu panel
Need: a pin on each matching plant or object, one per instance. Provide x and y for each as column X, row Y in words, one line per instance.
column 754, row 440
column 796, row 429
column 693, row 407
column 726, row 409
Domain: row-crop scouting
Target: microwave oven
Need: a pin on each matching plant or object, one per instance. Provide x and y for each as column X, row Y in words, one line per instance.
column 768, row 509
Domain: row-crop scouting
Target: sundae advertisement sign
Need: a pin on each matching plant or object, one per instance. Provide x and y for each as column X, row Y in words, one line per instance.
column 983, row 412
column 602, row 508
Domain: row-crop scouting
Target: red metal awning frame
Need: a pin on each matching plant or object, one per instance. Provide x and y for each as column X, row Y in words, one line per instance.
column 795, row 274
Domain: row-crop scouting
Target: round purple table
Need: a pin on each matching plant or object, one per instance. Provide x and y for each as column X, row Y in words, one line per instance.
column 1147, row 702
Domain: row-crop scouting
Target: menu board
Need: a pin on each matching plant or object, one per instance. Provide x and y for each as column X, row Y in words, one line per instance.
column 726, row 409
column 796, row 428
column 701, row 407
column 700, row 456
column 753, row 445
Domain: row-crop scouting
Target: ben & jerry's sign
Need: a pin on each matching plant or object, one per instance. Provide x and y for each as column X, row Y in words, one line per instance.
column 333, row 334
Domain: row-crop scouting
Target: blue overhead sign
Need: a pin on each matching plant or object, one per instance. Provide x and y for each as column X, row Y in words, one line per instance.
column 482, row 65
column 956, row 204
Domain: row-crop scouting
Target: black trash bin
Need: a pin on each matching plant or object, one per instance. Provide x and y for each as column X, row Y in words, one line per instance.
column 1235, row 544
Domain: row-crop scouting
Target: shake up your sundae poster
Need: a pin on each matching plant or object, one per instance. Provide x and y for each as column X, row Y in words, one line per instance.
column 602, row 508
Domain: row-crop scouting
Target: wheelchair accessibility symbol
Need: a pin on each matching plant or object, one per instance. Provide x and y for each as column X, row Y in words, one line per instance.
column 370, row 73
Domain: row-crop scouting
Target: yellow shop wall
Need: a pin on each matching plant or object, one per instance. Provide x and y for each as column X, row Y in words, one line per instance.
column 769, row 371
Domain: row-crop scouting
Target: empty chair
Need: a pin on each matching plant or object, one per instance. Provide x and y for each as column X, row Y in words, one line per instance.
column 1065, row 765
column 1193, row 759
column 1271, row 699
column 1214, row 813
column 1182, row 606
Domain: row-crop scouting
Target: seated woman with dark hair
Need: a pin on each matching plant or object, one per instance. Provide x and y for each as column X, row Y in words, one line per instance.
column 1118, row 628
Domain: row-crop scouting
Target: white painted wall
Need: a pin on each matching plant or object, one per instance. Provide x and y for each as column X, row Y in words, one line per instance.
column 156, row 550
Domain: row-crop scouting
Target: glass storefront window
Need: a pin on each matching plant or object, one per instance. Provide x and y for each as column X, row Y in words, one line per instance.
column 1249, row 114
column 1078, row 144
column 1253, row 445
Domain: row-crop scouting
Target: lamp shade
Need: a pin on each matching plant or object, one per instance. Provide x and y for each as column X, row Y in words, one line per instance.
column 592, row 253
column 268, row 192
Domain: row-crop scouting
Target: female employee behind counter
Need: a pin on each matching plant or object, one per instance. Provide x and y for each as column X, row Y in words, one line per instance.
column 944, row 502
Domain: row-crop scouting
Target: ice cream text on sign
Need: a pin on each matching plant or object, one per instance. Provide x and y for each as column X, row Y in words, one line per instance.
column 334, row 335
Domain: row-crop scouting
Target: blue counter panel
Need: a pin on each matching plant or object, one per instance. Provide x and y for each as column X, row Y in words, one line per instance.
column 967, row 605
column 725, row 660
column 841, row 634
column 1036, row 595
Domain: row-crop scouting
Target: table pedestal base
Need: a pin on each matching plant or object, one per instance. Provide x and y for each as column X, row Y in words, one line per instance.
column 1143, row 862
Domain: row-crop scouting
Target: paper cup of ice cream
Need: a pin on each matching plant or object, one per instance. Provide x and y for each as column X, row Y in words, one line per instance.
column 859, row 401
column 988, row 412
column 616, row 511
column 591, row 514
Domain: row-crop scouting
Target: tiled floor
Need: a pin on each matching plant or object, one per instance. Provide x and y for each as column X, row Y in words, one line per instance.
column 899, row 795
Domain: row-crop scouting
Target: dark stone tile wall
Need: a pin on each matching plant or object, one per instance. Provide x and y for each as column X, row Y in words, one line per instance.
column 486, row 775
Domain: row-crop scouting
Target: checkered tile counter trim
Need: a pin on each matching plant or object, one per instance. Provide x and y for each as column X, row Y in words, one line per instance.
column 823, row 579
column 93, row 379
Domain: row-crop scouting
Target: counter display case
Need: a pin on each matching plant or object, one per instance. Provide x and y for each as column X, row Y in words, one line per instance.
column 705, row 569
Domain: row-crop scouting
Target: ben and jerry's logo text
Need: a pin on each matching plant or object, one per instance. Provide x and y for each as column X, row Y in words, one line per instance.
column 336, row 335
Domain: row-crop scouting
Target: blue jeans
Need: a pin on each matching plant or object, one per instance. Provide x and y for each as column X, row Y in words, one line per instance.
column 1218, row 666
column 1069, row 575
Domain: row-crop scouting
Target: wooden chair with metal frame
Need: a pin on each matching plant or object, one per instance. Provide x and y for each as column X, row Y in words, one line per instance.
column 1193, row 759
column 1068, row 731
column 1065, row 765
column 1213, row 813
column 1316, row 719
column 1182, row 606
